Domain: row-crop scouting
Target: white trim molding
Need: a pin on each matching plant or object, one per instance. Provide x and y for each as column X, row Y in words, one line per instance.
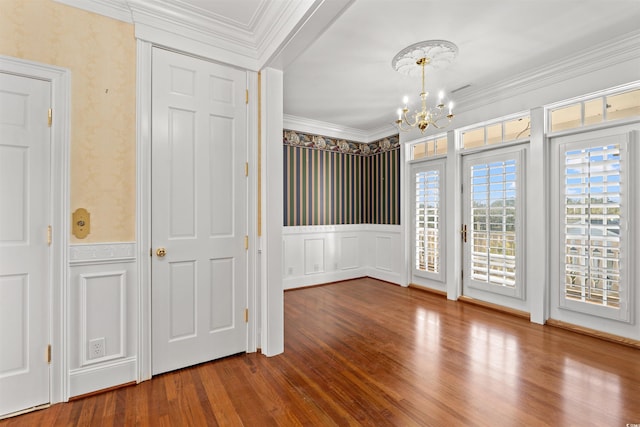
column 100, row 253
column 202, row 32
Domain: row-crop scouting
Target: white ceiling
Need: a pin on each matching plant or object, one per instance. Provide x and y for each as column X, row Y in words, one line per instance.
column 336, row 54
column 345, row 77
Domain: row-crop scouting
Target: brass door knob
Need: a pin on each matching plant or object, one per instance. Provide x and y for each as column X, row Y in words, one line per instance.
column 161, row 252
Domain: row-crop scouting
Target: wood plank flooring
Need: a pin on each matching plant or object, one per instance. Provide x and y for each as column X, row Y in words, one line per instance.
column 366, row 352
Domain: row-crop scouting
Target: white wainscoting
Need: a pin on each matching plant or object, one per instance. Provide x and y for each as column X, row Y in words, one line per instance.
column 102, row 306
column 315, row 255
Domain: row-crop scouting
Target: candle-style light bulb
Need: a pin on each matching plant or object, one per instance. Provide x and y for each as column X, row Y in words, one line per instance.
column 399, row 114
column 450, row 106
column 405, row 101
column 440, row 96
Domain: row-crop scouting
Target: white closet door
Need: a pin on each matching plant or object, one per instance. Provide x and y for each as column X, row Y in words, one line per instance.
column 199, row 211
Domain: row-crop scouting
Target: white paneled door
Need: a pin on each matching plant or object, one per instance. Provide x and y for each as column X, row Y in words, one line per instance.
column 199, row 211
column 24, row 250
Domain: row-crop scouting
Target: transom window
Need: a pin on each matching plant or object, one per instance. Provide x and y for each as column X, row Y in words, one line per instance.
column 432, row 147
column 507, row 130
column 595, row 109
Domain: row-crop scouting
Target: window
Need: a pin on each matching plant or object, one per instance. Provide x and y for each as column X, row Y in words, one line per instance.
column 428, row 221
column 595, row 109
column 592, row 224
column 593, row 209
column 435, row 146
column 497, row 132
column 493, row 215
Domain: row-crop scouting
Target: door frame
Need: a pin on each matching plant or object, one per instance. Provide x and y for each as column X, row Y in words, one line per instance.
column 58, row 287
column 143, row 205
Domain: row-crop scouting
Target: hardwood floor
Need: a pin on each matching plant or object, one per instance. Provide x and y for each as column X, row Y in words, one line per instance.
column 365, row 352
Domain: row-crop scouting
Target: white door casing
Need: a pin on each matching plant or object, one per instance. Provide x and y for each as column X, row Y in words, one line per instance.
column 199, row 211
column 493, row 213
column 25, row 215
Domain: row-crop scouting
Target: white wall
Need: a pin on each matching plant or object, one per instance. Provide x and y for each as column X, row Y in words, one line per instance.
column 315, row 255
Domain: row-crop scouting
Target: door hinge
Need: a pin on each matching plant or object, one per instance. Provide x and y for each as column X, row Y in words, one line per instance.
column 246, row 242
column 246, row 97
column 49, row 354
column 49, row 232
column 246, row 315
column 50, row 117
column 246, row 169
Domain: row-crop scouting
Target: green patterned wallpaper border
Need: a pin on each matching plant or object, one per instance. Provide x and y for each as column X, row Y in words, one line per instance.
column 319, row 142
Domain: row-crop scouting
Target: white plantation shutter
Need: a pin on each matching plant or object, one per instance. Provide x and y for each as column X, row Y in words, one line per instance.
column 592, row 217
column 493, row 215
column 428, row 220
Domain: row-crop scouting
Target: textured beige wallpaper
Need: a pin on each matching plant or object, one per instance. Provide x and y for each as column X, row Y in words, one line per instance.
column 101, row 54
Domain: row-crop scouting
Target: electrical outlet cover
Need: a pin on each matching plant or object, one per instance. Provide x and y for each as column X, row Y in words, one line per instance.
column 96, row 348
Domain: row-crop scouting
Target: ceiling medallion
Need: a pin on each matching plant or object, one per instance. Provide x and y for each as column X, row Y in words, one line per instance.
column 412, row 61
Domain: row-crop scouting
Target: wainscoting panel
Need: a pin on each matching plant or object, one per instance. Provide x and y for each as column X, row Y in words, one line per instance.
column 102, row 296
column 348, row 252
column 102, row 316
column 313, row 256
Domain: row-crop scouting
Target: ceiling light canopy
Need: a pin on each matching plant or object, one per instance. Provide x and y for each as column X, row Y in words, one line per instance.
column 412, row 61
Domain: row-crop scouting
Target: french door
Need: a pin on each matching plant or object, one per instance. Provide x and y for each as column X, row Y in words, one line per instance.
column 493, row 226
column 592, row 268
column 199, row 211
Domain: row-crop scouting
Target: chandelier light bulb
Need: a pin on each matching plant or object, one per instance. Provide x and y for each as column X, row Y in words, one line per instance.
column 405, row 101
column 450, row 106
column 440, row 96
column 399, row 113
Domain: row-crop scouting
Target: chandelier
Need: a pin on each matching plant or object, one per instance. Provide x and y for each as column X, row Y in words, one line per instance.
column 411, row 61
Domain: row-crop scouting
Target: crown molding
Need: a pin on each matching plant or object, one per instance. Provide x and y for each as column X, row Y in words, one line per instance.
column 333, row 130
column 114, row 9
column 598, row 57
column 184, row 27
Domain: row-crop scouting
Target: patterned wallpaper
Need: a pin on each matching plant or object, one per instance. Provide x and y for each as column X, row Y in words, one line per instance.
column 333, row 181
column 101, row 54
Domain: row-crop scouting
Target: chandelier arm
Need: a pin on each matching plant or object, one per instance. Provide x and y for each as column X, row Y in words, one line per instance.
column 407, row 121
column 402, row 128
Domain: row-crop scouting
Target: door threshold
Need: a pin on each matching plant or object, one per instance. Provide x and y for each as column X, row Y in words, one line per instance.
column 25, row 411
column 496, row 307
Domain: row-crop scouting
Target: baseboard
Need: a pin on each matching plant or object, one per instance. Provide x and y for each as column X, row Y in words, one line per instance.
column 387, row 276
column 594, row 333
column 107, row 375
column 296, row 282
